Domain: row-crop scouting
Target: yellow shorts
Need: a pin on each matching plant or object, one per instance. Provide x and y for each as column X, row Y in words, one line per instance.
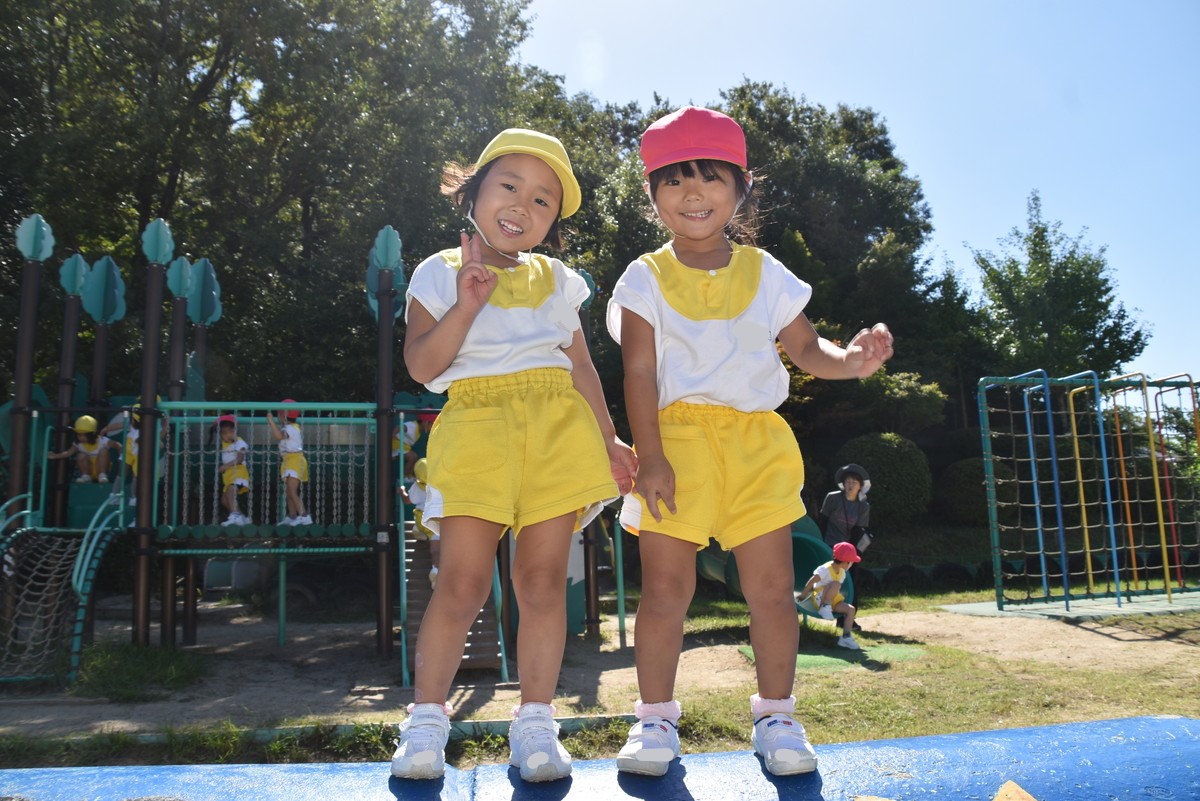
column 131, row 457
column 294, row 465
column 238, row 475
column 517, row 449
column 738, row 475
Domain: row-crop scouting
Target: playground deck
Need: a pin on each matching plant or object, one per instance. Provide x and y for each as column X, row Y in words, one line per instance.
column 1131, row 758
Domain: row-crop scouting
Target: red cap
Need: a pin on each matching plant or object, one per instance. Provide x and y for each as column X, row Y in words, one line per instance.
column 693, row 133
column 290, row 414
column 846, row 552
column 426, row 418
column 227, row 418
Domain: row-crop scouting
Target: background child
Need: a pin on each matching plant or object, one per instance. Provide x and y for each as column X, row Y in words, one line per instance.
column 235, row 475
column 698, row 322
column 131, row 449
column 293, row 466
column 824, row 591
column 415, row 496
column 90, row 450
column 525, row 440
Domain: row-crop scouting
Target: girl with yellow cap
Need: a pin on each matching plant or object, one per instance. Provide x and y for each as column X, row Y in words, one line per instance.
column 524, row 442
column 90, row 450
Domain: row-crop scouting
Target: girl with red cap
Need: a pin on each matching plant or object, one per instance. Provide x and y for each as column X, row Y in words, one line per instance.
column 524, row 442
column 293, row 464
column 698, row 321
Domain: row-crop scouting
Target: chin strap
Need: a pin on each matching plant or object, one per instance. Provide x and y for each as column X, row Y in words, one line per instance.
column 519, row 258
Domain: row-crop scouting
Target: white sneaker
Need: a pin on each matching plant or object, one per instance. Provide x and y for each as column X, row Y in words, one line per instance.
column 653, row 742
column 533, row 738
column 232, row 520
column 244, row 520
column 421, row 750
column 302, row 520
column 102, row 478
column 288, row 521
column 132, row 501
column 782, row 744
column 847, row 641
column 826, row 612
column 84, row 479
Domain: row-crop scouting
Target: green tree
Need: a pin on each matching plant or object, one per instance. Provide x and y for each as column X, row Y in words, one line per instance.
column 1050, row 303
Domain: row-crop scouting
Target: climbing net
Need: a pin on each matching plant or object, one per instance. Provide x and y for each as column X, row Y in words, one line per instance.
column 339, row 446
column 37, row 604
column 1093, row 486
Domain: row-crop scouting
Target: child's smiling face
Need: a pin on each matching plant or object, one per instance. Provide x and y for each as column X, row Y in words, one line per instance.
column 518, row 202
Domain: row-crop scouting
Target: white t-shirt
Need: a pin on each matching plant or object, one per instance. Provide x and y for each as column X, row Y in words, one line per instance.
column 293, row 440
column 529, row 320
column 230, row 450
column 714, row 330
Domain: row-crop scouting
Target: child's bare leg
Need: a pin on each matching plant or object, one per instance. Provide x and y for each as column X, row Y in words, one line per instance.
column 668, row 584
column 295, row 506
column 830, row 592
column 849, row 611
column 229, row 499
column 461, row 591
column 83, row 463
column 103, row 460
column 540, row 582
column 765, row 564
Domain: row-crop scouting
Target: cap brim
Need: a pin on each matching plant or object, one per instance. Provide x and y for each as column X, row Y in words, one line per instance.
column 572, row 194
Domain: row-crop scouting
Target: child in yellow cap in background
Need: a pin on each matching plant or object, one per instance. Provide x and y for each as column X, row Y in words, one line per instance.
column 293, row 465
column 90, row 450
column 823, row 592
column 235, row 475
column 498, row 328
column 131, row 449
column 414, row 495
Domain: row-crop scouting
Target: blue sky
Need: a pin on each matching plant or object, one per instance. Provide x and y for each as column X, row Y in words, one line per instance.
column 1094, row 103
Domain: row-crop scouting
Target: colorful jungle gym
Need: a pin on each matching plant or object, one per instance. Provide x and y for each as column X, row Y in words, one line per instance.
column 1092, row 486
column 1079, row 473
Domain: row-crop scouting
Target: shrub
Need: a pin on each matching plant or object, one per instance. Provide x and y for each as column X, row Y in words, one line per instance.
column 900, row 479
column 961, row 495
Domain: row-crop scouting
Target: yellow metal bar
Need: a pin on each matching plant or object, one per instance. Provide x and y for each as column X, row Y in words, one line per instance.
column 1083, row 518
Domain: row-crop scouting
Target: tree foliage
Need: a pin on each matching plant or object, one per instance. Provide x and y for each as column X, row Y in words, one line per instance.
column 1050, row 303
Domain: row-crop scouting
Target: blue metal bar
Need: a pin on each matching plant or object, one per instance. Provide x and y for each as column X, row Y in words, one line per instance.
column 1057, row 484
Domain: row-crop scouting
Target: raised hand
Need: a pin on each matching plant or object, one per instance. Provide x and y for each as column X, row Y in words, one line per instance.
column 869, row 349
column 476, row 282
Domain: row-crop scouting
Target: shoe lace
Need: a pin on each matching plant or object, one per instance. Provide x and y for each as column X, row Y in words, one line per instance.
column 423, row 732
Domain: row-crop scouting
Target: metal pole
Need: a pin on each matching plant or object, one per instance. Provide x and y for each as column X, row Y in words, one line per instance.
column 148, row 428
column 66, row 388
column 385, row 491
column 31, row 278
column 176, row 384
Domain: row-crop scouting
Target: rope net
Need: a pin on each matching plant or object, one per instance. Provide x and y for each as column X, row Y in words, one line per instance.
column 37, row 605
column 1095, row 488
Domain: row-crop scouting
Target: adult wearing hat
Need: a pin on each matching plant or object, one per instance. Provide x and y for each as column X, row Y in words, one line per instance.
column 845, row 513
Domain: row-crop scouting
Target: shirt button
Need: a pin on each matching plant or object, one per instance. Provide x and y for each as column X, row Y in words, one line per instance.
column 712, row 272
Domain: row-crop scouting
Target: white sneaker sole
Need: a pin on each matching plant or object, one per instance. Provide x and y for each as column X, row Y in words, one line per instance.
column 422, row 765
column 788, row 762
column 544, row 770
column 648, row 762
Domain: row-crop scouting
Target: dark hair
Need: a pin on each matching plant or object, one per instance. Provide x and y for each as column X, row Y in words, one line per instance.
column 461, row 184
column 743, row 228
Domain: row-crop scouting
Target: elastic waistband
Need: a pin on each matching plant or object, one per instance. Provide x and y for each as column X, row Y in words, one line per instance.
column 693, row 411
column 538, row 378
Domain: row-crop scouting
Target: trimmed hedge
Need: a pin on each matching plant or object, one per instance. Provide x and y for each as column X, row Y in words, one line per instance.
column 961, row 494
column 901, row 484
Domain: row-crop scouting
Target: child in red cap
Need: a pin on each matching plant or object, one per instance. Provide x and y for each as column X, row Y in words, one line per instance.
column 293, row 464
column 823, row 591
column 698, row 321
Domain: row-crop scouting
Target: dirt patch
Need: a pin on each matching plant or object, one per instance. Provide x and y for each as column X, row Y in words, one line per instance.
column 329, row 673
column 1086, row 644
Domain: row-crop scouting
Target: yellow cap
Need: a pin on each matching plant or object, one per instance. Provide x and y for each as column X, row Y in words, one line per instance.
column 546, row 148
column 420, row 471
column 85, row 425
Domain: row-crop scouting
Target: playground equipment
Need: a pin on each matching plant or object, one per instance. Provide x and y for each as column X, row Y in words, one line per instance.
column 1093, row 486
column 50, row 561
